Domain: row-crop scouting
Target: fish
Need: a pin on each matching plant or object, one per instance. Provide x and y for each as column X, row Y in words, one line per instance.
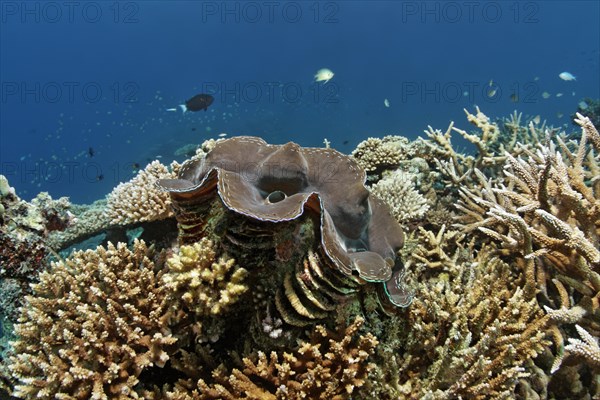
column 196, row 103
column 583, row 105
column 537, row 119
column 546, row 95
column 323, row 75
column 491, row 92
column 91, row 152
column 345, row 142
column 386, row 103
column 135, row 166
column 559, row 94
column 514, row 98
column 567, row 76
column 100, row 177
column 222, row 134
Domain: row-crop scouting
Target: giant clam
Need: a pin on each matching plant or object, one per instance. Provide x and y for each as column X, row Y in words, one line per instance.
column 289, row 205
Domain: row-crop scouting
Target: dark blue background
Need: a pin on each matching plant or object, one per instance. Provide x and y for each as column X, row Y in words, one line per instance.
column 147, row 56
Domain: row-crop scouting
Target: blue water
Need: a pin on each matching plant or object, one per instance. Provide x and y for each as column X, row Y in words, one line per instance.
column 101, row 74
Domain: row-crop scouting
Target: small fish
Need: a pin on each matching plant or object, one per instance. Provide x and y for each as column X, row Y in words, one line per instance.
column 135, row 166
column 546, row 95
column 345, row 142
column 323, row 75
column 386, row 103
column 567, row 76
column 583, row 105
column 91, row 152
column 491, row 92
column 559, row 115
column 537, row 78
column 514, row 98
column 222, row 134
column 193, row 129
column 100, row 177
column 196, row 103
column 559, row 94
column 537, row 119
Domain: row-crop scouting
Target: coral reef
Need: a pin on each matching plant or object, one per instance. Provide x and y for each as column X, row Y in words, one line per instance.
column 91, row 326
column 205, row 287
column 539, row 205
column 589, row 108
column 139, row 200
column 275, row 292
column 398, row 191
column 328, row 365
column 376, row 155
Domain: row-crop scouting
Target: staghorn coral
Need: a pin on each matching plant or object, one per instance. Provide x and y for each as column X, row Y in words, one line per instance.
column 470, row 332
column 547, row 210
column 544, row 213
column 205, row 285
column 398, row 191
column 139, row 200
column 92, row 325
column 587, row 348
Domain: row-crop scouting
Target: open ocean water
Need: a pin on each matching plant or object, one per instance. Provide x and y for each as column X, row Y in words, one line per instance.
column 85, row 85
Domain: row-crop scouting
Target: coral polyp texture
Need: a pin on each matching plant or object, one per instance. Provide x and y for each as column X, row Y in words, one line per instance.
column 282, row 272
column 138, row 200
column 93, row 324
column 206, row 287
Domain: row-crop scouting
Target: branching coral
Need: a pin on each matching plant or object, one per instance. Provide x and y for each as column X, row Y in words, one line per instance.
column 205, row 285
column 376, row 155
column 399, row 192
column 548, row 208
column 92, row 325
column 544, row 212
column 139, row 199
column 328, row 366
column 472, row 329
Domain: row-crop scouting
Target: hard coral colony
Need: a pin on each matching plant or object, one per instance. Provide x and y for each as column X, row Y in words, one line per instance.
column 283, row 276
